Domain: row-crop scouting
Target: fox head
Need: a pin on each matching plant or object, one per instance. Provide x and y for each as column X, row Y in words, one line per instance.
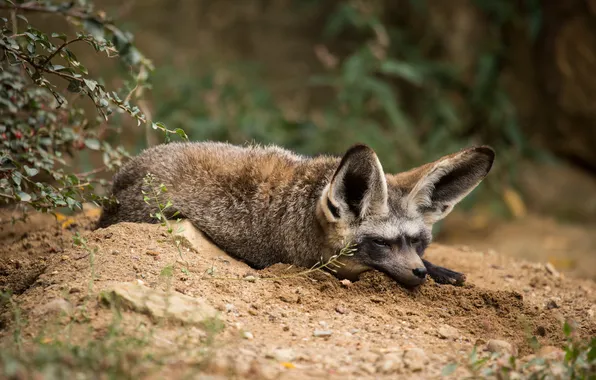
column 388, row 217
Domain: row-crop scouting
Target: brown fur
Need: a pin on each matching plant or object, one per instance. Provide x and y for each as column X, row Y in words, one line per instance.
column 266, row 205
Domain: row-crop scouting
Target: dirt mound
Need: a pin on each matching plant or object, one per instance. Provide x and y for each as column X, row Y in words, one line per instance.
column 280, row 324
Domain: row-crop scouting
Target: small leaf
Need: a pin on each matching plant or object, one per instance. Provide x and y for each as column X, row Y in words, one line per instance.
column 74, row 86
column 60, row 36
column 180, row 132
column 23, row 197
column 567, row 329
column 30, row 171
column 16, row 178
column 91, row 84
column 92, row 144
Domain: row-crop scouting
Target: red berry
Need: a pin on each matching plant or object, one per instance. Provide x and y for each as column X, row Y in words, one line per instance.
column 18, row 135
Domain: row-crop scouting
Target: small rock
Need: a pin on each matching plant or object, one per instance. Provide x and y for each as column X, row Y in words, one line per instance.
column 592, row 312
column 250, row 278
column 74, row 290
column 345, row 282
column 286, row 328
column 390, row 363
column 247, row 335
column 550, row 268
column 323, row 324
column 108, row 235
column 151, row 252
column 500, row 346
column 354, row 331
column 551, row 304
column 253, row 312
column 322, row 333
column 64, row 257
column 57, row 306
column 341, row 310
column 159, row 304
column 230, row 307
column 115, row 252
column 368, row 368
column 415, row 359
column 282, row 355
column 448, row 332
column 289, row 298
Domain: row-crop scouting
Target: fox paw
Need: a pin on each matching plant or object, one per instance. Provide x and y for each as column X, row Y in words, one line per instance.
column 446, row 276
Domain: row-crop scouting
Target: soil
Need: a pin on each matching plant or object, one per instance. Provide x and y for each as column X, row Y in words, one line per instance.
column 269, row 323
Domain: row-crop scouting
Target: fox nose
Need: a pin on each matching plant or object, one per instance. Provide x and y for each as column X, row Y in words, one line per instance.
column 419, row 272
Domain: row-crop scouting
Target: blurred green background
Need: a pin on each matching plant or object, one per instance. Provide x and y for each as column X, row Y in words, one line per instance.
column 415, row 79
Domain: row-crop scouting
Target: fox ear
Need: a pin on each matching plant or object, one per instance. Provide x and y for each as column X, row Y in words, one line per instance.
column 445, row 182
column 358, row 187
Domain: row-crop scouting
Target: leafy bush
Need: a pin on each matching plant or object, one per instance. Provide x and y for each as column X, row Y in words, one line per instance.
column 43, row 87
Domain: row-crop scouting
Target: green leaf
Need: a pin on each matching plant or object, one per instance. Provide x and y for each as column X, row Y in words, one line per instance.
column 23, row 197
column 92, row 144
column 91, row 84
column 402, row 70
column 180, row 132
column 567, row 329
column 16, row 177
column 74, row 86
column 60, row 36
column 30, row 171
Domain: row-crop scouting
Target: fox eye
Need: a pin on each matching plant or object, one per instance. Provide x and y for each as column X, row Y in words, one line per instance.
column 415, row 241
column 381, row 242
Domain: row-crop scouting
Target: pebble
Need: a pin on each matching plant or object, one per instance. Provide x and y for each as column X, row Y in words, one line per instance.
column 415, row 359
column 322, row 333
column 551, row 304
column 323, row 324
column 448, row 332
column 115, row 252
column 500, row 346
column 390, row 363
column 230, row 307
column 341, row 310
column 368, row 368
column 550, row 268
column 54, row 307
column 250, row 278
column 592, row 312
column 282, row 355
column 248, row 335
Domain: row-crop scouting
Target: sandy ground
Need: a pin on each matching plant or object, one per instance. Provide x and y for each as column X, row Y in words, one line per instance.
column 372, row 328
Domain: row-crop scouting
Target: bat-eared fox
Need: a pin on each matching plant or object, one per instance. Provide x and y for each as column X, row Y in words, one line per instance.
column 266, row 205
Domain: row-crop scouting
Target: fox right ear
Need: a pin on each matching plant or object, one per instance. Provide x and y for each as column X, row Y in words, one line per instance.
column 358, row 187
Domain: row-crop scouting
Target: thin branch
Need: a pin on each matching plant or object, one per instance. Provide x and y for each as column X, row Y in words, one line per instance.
column 65, row 44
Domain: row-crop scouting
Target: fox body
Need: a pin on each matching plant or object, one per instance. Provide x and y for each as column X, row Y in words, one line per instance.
column 266, row 205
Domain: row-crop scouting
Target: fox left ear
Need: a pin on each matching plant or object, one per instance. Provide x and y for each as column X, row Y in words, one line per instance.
column 444, row 183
